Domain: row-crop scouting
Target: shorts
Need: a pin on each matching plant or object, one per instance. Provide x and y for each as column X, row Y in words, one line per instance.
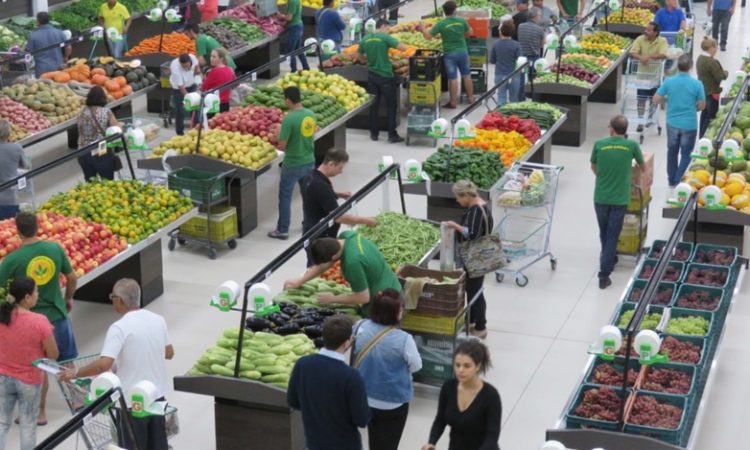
column 456, row 62
column 66, row 342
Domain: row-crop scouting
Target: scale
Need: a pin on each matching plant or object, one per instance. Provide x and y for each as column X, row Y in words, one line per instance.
column 682, row 192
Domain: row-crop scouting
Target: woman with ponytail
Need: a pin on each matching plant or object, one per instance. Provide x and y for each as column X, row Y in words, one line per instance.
column 25, row 336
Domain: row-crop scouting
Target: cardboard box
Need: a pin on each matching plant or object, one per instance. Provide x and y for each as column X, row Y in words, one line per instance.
column 644, row 179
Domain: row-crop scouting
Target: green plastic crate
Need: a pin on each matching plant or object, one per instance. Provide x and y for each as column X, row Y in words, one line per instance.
column 652, row 262
column 617, row 364
column 641, row 284
column 686, row 289
column 199, row 185
column 687, row 246
column 437, row 358
column 675, row 436
column 223, row 224
column 574, row 421
column 713, row 247
column 631, row 306
column 723, row 269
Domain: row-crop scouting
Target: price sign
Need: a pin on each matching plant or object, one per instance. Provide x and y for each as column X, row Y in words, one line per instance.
column 254, row 76
column 22, row 183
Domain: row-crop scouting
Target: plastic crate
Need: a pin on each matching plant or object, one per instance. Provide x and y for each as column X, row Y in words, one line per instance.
column 690, row 370
column 199, row 185
column 425, row 65
column 477, row 60
column 686, row 289
column 223, row 224
column 712, row 247
column 692, row 266
column 675, row 436
column 630, row 243
column 479, row 81
column 165, row 71
column 686, row 246
column 480, row 27
column 652, row 262
column 574, row 421
column 425, row 93
column 617, row 364
column 437, row 359
column 425, row 323
column 419, row 120
column 641, row 284
column 437, row 299
column 697, row 340
column 681, row 312
column 631, row 306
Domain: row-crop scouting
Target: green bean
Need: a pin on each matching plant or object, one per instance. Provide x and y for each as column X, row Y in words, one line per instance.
column 401, row 239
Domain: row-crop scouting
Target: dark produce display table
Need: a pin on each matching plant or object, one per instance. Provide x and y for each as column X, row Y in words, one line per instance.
column 723, row 227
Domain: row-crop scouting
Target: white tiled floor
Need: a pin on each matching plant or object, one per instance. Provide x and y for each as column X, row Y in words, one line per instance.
column 538, row 334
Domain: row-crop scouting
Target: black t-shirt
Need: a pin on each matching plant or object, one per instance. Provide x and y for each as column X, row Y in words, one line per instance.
column 318, row 200
column 518, row 19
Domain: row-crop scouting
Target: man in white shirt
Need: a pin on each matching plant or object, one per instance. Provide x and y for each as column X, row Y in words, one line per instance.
column 136, row 349
column 184, row 77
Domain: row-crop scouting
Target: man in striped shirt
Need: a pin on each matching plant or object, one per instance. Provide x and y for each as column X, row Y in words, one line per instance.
column 531, row 38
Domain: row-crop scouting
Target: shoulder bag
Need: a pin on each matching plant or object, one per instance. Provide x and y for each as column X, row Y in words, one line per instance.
column 483, row 254
column 357, row 361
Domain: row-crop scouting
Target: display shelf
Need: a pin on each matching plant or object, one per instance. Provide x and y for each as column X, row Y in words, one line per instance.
column 343, row 119
column 628, row 30
column 715, row 226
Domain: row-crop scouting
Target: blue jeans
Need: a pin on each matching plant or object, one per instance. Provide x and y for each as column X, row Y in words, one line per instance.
column 680, row 142
column 720, row 25
column 509, row 92
column 8, row 211
column 293, row 42
column 66, row 342
column 455, row 63
column 27, row 396
column 289, row 176
column 610, row 219
column 179, row 109
column 118, row 48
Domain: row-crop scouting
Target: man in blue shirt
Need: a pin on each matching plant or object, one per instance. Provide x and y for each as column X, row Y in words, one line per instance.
column 720, row 12
column 670, row 18
column 685, row 97
column 330, row 25
column 44, row 36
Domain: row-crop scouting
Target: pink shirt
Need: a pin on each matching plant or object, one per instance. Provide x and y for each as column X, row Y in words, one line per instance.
column 215, row 78
column 209, row 9
column 22, row 344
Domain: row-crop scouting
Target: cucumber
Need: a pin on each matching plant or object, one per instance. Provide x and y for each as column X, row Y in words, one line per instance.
column 302, row 349
column 269, row 370
column 251, row 374
column 232, row 333
column 229, row 344
column 221, row 370
column 267, row 338
column 284, row 386
column 281, row 349
column 244, row 364
column 221, row 351
column 276, row 378
column 268, row 360
column 203, row 369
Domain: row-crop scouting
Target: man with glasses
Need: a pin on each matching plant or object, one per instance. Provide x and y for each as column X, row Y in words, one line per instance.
column 138, row 346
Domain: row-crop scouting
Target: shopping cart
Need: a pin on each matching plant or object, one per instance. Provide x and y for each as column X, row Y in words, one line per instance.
column 525, row 197
column 680, row 43
column 639, row 86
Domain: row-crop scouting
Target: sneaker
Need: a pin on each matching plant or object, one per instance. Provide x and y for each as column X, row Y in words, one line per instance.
column 278, row 235
column 373, row 138
column 604, row 283
column 639, row 129
column 723, row 48
column 616, row 260
column 395, row 139
column 481, row 334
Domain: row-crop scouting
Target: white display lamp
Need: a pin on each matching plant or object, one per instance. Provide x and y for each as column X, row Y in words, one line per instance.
column 192, row 101
column 311, row 42
column 136, row 139
column 97, row 33
column 571, row 42
column 211, row 103
column 172, row 15
column 162, row 4
column 552, row 41
column 155, row 14
column 647, row 344
column 702, row 149
column 462, row 130
column 414, row 170
column 711, row 196
column 553, row 445
column 226, row 296
column 260, row 294
column 328, row 47
column 739, row 76
column 731, row 150
column 67, row 34
column 521, row 61
column 355, row 27
column 614, row 5
column 608, row 343
column 370, row 26
column 682, row 192
column 541, row 65
column 438, row 128
column 112, row 131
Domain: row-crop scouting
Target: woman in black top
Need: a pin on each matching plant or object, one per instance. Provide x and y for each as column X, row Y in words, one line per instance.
column 468, row 404
column 475, row 222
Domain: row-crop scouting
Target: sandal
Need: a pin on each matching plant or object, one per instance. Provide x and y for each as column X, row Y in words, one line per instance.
column 449, row 106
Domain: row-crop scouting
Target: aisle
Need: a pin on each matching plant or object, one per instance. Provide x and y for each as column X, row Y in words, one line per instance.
column 538, row 334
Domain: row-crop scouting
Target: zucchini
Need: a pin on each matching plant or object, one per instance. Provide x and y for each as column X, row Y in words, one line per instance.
column 276, row 378
column 251, row 374
column 221, row 370
column 270, row 370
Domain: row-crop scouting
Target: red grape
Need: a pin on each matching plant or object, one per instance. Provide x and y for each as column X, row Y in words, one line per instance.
column 670, row 381
column 662, row 297
column 649, row 411
column 718, row 257
column 707, row 277
column 699, row 299
column 599, row 404
column 680, row 351
column 606, row 373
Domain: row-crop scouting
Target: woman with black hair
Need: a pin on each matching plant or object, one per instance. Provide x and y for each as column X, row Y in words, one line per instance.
column 93, row 120
column 25, row 336
column 386, row 356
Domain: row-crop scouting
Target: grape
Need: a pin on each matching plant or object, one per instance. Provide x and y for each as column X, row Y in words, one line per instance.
column 667, row 380
column 649, row 322
column 718, row 257
column 672, row 273
column 706, row 277
column 680, row 351
column 606, row 373
column 600, row 404
column 692, row 325
column 680, row 254
column 699, row 300
column 649, row 411
column 662, row 297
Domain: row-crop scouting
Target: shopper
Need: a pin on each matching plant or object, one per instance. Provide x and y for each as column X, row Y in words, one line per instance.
column 386, row 357
column 209, row 9
column 521, row 16
column 224, row 5
column 531, row 38
column 571, row 10
column 114, row 14
column 219, row 75
column 380, row 80
column 294, row 31
column 362, row 265
column 721, row 12
column 670, row 17
column 649, row 50
column 330, row 25
column 204, row 44
column 12, row 158
column 453, row 31
column 26, row 336
column 43, row 262
column 711, row 74
column 547, row 17
column 92, row 122
column 392, row 14
column 183, row 78
column 330, row 394
column 45, row 36
column 504, row 54
column 611, row 162
column 476, row 221
column 296, row 140
column 136, row 349
column 470, row 405
column 684, row 96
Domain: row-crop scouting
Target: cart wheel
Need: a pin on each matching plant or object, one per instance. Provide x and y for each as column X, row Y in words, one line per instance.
column 641, row 139
column 232, row 244
column 181, row 241
column 499, row 277
column 211, row 253
column 658, row 130
column 522, row 280
column 553, row 263
column 172, row 244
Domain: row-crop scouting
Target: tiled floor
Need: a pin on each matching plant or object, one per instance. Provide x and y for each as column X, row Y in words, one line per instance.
column 538, row 334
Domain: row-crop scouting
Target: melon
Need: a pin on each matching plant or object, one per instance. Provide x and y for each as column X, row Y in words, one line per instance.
column 718, row 163
column 733, row 188
column 737, row 136
column 740, row 201
column 739, row 166
column 742, row 121
column 725, row 199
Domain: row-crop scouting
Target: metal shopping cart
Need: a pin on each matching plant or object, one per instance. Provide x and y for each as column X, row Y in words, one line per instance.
column 525, row 197
column 640, row 84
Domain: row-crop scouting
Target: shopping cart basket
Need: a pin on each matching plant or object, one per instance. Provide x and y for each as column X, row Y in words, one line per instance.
column 640, row 85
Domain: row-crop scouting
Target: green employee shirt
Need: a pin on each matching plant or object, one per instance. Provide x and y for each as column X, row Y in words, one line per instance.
column 614, row 157
column 375, row 46
column 43, row 262
column 298, row 130
column 294, row 7
column 364, row 267
column 452, row 30
column 204, row 44
column 570, row 7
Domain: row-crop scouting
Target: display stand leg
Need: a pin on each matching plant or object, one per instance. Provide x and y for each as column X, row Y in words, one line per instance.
column 244, row 197
column 543, row 155
column 260, row 56
column 239, row 425
column 155, row 100
column 609, row 90
column 335, row 138
column 716, row 233
column 573, row 131
column 145, row 267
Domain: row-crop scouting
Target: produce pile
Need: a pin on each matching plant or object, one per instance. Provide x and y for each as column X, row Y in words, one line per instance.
column 83, row 14
column 118, row 79
column 734, row 187
column 401, row 239
column 609, row 51
column 87, row 244
column 481, row 167
column 544, row 114
column 609, row 375
column 550, row 77
column 599, row 404
column 596, row 64
column 680, row 351
column 740, row 125
column 226, row 38
column 650, row 5
column 689, row 325
column 672, row 273
column 254, row 120
column 497, row 121
column 266, row 357
column 271, row 25
column 523, row 189
column 680, row 253
column 607, row 38
column 173, row 44
column 649, row 411
column 305, row 298
column 9, row 39
column 17, row 133
column 417, row 39
column 649, row 322
column 335, row 274
column 699, row 299
column 244, row 31
column 706, row 277
column 326, row 108
column 667, row 380
column 413, row 25
column 130, row 208
column 663, row 295
column 632, row 16
column 243, row 150
column 21, row 116
column 576, row 71
column 498, row 10
column 715, row 256
column 508, row 145
column 346, row 92
column 57, row 102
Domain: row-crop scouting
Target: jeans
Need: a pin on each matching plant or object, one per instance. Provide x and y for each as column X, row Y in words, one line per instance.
column 680, row 142
column 610, row 218
column 293, row 42
column 708, row 114
column 66, row 342
column 8, row 211
column 720, row 25
column 382, row 88
column 386, row 427
column 479, row 308
column 27, row 396
column 179, row 109
column 103, row 166
column 289, row 176
column 509, row 92
column 118, row 48
column 456, row 63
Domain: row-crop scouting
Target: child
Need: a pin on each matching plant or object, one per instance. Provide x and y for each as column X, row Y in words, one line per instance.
column 710, row 73
column 504, row 54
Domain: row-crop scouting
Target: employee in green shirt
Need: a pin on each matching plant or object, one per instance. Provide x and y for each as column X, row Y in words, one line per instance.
column 571, row 10
column 611, row 162
column 297, row 141
column 204, row 44
column 380, row 80
column 362, row 265
column 43, row 261
column 453, row 31
column 294, row 31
